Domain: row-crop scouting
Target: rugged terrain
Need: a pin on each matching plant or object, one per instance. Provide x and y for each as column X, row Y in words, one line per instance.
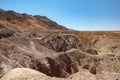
column 57, row 55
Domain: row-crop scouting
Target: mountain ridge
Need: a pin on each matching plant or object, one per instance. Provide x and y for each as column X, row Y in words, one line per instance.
column 25, row 22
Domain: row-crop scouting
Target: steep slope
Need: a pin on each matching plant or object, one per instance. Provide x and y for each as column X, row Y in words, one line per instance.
column 25, row 22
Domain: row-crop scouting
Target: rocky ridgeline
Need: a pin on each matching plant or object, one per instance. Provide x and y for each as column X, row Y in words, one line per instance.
column 25, row 22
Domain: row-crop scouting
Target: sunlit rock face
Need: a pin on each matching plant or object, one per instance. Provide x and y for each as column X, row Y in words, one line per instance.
column 30, row 74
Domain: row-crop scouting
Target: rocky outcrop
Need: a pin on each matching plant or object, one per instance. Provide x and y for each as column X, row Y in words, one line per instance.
column 62, row 42
column 4, row 32
column 83, row 59
column 59, row 42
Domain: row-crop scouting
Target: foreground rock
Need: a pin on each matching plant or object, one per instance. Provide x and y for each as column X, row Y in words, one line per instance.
column 29, row 74
column 26, row 74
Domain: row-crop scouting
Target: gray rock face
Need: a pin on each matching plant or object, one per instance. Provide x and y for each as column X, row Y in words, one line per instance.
column 62, row 42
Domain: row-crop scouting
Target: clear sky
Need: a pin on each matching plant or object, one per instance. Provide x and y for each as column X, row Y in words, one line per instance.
column 74, row 14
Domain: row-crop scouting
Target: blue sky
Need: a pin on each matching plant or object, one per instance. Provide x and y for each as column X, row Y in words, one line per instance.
column 74, row 14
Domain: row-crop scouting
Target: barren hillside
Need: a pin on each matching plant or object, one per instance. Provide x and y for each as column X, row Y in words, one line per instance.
column 25, row 22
